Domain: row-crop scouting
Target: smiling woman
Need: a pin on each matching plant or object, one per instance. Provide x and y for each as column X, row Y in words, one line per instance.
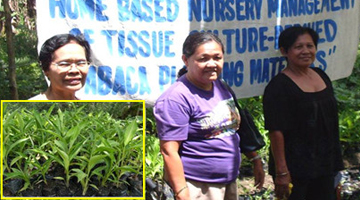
column 65, row 59
column 196, row 120
column 301, row 114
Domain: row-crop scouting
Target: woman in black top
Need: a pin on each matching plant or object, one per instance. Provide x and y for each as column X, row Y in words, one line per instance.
column 302, row 118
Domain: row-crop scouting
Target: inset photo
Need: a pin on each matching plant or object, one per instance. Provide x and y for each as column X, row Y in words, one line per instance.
column 70, row 149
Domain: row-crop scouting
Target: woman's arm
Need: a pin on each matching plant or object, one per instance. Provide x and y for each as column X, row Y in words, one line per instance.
column 259, row 173
column 283, row 178
column 174, row 171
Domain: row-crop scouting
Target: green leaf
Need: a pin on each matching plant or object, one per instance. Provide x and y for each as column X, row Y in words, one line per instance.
column 65, row 162
column 61, row 145
column 16, row 174
column 9, row 118
column 26, row 185
column 75, row 150
column 59, row 178
column 130, row 132
column 17, row 158
column 127, row 168
column 39, row 120
column 6, row 151
column 95, row 160
column 98, row 171
column 79, row 174
column 73, row 133
column 53, row 133
column 109, row 151
column 49, row 112
column 94, row 186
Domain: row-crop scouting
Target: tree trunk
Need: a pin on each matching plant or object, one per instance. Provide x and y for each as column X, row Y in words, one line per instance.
column 10, row 51
column 31, row 8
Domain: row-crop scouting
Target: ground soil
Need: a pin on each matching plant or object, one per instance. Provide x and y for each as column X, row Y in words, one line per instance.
column 130, row 186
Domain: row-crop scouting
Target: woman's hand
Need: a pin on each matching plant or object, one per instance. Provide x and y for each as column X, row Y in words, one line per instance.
column 282, row 179
column 282, row 186
column 259, row 173
column 173, row 169
column 183, row 195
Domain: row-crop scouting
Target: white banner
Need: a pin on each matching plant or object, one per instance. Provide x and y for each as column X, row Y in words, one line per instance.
column 137, row 44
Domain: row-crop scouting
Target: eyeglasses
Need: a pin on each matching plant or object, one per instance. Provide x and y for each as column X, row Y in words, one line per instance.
column 66, row 65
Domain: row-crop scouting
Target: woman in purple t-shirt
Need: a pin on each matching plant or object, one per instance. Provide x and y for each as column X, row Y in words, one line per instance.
column 197, row 122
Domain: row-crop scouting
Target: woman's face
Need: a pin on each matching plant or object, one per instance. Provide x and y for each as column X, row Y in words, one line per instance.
column 71, row 78
column 302, row 52
column 205, row 65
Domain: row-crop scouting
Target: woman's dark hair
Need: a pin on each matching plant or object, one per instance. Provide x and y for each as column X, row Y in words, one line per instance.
column 57, row 41
column 181, row 72
column 289, row 36
column 196, row 39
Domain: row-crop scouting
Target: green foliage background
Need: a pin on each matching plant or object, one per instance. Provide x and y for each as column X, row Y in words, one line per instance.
column 347, row 92
column 30, row 79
